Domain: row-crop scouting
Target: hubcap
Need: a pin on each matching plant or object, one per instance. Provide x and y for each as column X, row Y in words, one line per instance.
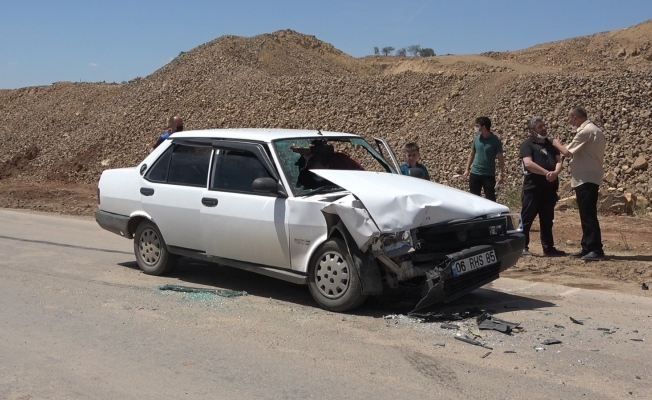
column 332, row 275
column 150, row 247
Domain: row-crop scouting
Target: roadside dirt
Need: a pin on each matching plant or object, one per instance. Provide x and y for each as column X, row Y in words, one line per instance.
column 627, row 244
column 53, row 196
column 627, row 240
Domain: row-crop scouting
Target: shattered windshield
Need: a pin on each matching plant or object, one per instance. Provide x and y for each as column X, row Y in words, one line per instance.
column 299, row 156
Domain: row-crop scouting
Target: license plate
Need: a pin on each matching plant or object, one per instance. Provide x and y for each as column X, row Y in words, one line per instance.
column 466, row 265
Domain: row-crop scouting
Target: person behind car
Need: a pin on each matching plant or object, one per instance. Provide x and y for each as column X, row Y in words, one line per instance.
column 480, row 169
column 307, row 178
column 175, row 124
column 412, row 155
column 339, row 160
column 541, row 165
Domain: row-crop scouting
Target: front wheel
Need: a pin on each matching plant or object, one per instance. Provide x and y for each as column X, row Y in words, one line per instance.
column 333, row 278
column 152, row 255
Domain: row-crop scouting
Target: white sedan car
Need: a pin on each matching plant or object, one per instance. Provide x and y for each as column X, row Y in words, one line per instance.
column 325, row 209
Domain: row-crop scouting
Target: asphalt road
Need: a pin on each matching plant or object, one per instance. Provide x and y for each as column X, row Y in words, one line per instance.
column 78, row 320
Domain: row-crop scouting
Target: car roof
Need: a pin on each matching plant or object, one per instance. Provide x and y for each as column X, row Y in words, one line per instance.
column 259, row 134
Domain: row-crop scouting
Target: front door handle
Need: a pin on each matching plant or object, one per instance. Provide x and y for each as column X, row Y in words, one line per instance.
column 209, row 201
column 145, row 191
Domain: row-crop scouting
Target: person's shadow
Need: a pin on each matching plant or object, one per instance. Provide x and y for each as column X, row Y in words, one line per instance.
column 639, row 257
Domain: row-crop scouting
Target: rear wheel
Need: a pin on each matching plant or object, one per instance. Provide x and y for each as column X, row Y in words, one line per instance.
column 152, row 254
column 333, row 278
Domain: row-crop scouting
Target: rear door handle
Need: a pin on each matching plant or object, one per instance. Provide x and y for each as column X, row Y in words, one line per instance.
column 209, row 201
column 146, row 191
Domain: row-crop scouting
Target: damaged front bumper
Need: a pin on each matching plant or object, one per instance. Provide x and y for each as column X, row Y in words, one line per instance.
column 450, row 281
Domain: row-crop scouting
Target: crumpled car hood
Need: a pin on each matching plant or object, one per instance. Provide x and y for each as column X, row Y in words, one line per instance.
column 398, row 202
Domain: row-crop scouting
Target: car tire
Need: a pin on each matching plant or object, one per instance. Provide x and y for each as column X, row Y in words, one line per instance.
column 333, row 278
column 152, row 254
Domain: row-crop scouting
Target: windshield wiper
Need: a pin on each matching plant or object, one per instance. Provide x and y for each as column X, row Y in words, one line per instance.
column 325, row 189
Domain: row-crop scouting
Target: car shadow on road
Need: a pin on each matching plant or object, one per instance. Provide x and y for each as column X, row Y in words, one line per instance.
column 397, row 301
column 217, row 276
column 487, row 299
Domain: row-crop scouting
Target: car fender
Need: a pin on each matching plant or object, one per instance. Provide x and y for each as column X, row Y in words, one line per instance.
column 366, row 264
column 134, row 220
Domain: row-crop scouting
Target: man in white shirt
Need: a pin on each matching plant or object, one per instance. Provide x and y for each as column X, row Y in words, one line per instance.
column 587, row 156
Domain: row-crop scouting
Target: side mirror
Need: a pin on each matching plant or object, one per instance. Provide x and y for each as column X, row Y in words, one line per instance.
column 417, row 173
column 268, row 185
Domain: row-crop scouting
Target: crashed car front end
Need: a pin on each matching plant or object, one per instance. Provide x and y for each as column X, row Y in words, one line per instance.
column 447, row 241
column 450, row 259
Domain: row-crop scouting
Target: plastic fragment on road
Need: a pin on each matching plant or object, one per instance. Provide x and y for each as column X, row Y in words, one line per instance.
column 488, row 321
column 576, row 321
column 475, row 333
column 485, row 355
column 637, row 340
column 189, row 289
column 551, row 341
column 509, row 352
column 560, row 326
column 644, row 286
column 449, row 326
column 474, row 342
column 539, row 348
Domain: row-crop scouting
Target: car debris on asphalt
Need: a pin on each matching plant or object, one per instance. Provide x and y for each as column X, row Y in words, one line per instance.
column 576, row 321
column 190, row 289
column 551, row 341
column 488, row 321
column 466, row 339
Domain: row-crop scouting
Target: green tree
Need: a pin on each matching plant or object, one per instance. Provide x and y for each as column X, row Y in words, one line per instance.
column 401, row 52
column 387, row 50
column 427, row 52
column 414, row 49
column 376, row 51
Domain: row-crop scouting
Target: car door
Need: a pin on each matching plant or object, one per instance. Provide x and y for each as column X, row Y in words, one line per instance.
column 172, row 190
column 386, row 151
column 237, row 222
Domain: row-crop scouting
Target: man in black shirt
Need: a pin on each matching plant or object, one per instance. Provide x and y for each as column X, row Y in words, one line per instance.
column 541, row 165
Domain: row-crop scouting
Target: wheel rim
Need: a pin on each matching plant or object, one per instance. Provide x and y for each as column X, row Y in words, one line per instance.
column 149, row 247
column 332, row 275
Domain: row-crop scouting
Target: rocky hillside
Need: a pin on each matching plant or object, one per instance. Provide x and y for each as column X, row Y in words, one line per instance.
column 71, row 132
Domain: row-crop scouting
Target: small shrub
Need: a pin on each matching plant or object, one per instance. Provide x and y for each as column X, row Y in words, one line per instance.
column 510, row 196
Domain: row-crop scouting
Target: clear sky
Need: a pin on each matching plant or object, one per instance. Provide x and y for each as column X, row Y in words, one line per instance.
column 44, row 41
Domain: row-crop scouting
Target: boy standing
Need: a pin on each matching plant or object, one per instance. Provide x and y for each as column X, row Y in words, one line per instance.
column 481, row 164
column 411, row 155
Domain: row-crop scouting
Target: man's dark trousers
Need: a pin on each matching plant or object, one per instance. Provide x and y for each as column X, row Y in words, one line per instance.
column 478, row 182
column 539, row 202
column 587, row 202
